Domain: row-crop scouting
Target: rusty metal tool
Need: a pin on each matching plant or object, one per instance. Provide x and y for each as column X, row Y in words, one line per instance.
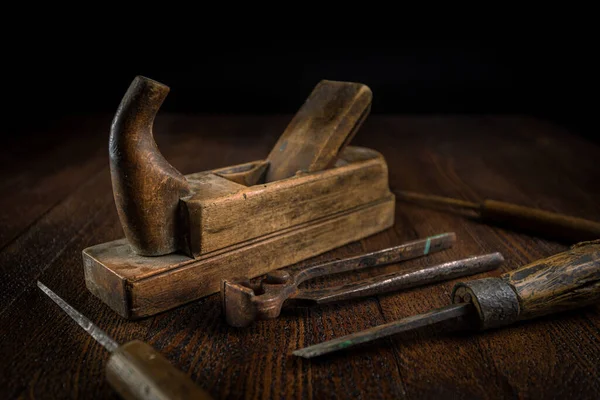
column 548, row 224
column 244, row 302
column 565, row 281
column 135, row 370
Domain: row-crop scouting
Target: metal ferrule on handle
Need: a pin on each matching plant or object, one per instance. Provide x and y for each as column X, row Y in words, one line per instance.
column 565, row 281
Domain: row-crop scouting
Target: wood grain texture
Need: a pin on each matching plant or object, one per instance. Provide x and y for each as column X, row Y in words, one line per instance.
column 322, row 127
column 559, row 282
column 63, row 162
column 222, row 213
column 137, row 287
column 44, row 355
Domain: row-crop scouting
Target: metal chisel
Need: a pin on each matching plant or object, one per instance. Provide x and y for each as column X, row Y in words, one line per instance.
column 565, row 281
column 135, row 370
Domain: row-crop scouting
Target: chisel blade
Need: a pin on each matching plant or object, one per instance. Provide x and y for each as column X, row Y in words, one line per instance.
column 454, row 311
column 97, row 333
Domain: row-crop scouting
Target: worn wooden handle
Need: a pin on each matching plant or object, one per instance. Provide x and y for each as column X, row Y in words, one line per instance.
column 137, row 371
column 545, row 223
column 567, row 280
column 146, row 188
column 324, row 125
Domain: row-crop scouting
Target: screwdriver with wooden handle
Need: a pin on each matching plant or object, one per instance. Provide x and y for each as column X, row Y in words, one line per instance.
column 135, row 370
column 544, row 223
column 565, row 281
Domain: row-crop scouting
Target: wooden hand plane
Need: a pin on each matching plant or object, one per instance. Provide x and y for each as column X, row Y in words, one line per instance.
column 185, row 234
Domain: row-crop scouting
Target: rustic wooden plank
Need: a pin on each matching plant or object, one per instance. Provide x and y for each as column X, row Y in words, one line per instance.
column 325, row 123
column 475, row 351
column 256, row 362
column 31, row 254
column 56, row 163
column 136, row 287
column 26, row 309
column 45, row 355
column 573, row 160
column 44, row 352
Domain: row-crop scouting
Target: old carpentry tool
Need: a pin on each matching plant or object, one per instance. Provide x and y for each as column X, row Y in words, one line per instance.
column 545, row 223
column 565, row 281
column 244, row 302
column 135, row 370
column 184, row 234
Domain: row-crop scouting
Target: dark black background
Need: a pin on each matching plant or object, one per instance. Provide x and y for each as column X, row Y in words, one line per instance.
column 549, row 79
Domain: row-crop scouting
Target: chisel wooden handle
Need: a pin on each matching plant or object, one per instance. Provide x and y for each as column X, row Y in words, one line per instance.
column 567, row 280
column 138, row 372
column 539, row 221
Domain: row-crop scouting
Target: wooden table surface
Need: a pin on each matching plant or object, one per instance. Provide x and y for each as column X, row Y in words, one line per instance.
column 56, row 200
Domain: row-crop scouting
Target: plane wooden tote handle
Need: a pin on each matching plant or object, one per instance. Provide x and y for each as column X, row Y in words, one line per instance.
column 146, row 187
column 323, row 126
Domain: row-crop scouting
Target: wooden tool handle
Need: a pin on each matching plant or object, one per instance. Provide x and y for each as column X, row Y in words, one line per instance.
column 323, row 126
column 568, row 280
column 137, row 371
column 541, row 222
column 146, row 188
